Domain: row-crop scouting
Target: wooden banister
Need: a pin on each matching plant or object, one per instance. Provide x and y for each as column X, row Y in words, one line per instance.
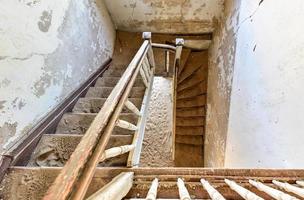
column 83, row 161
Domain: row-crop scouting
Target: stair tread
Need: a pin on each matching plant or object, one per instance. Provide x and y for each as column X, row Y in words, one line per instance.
column 78, row 123
column 189, row 130
column 93, row 105
column 104, row 92
column 190, row 121
column 191, row 102
column 189, row 139
column 191, row 112
column 112, row 81
column 196, row 90
column 200, row 75
column 187, row 155
column 53, row 150
column 195, row 61
column 184, row 58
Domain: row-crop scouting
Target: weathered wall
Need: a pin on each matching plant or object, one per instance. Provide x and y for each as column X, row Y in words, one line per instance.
column 47, row 49
column 165, row 16
column 266, row 123
column 221, row 62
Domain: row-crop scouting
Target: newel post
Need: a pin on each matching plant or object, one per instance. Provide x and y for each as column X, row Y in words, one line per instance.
column 150, row 55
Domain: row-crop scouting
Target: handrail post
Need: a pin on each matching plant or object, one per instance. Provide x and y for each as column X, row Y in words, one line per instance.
column 148, row 36
column 179, row 46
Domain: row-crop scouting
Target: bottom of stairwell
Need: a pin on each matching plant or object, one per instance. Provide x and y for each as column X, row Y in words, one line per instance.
column 157, row 144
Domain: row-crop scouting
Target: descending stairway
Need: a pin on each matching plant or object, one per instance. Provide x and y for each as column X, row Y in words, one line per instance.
column 54, row 150
column 191, row 109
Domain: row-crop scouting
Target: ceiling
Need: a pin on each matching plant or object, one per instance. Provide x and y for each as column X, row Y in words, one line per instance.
column 165, row 16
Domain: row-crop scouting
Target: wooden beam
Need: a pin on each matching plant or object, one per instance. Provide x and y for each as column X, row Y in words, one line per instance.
column 132, row 107
column 152, row 194
column 290, row 188
column 88, row 152
column 126, row 125
column 134, row 156
column 276, row 194
column 118, row 188
column 143, row 76
column 246, row 194
column 182, row 190
column 116, row 151
column 213, row 193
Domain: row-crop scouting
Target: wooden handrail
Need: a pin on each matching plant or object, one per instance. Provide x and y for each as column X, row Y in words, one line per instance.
column 83, row 161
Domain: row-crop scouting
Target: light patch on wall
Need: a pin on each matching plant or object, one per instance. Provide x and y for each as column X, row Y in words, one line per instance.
column 30, row 27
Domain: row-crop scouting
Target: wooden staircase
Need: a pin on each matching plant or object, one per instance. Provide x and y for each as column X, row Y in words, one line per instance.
column 191, row 109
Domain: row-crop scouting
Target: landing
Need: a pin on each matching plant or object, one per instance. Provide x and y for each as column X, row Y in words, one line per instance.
column 157, row 144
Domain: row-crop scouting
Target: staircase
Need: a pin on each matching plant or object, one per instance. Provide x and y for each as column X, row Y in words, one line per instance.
column 191, row 109
column 94, row 151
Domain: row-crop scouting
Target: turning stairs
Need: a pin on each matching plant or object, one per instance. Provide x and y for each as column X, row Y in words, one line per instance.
column 191, row 109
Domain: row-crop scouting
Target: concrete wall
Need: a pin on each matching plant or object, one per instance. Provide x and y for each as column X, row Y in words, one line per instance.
column 221, row 62
column 47, row 49
column 165, row 16
column 266, row 115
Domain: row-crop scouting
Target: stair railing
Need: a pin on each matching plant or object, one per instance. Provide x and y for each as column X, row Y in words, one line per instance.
column 75, row 177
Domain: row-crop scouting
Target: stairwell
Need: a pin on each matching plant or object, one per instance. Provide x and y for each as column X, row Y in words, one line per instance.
column 123, row 163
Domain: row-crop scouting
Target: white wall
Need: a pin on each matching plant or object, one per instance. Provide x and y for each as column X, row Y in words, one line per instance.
column 165, row 16
column 47, row 49
column 266, row 126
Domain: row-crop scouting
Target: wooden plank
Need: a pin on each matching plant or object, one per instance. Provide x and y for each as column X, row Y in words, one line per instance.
column 134, row 156
column 152, row 193
column 123, row 181
column 115, row 151
column 126, row 125
column 65, row 182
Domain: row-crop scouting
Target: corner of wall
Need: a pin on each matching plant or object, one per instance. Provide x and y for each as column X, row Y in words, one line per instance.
column 220, row 75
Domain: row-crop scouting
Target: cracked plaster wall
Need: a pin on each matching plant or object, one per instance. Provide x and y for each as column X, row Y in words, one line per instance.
column 221, row 63
column 266, row 123
column 169, row 16
column 47, row 49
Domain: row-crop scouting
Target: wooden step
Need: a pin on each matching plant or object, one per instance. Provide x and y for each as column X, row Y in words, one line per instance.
column 191, row 102
column 184, row 58
column 190, row 130
column 54, row 150
column 113, row 73
column 93, row 105
column 112, row 81
column 191, row 112
column 104, row 92
column 188, row 155
column 196, row 90
column 199, row 76
column 190, row 139
column 78, row 123
column 190, row 121
column 195, row 61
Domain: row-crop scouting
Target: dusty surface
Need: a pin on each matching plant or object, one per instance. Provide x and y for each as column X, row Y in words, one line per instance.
column 157, row 145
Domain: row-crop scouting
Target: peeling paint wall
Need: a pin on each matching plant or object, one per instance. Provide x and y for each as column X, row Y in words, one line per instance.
column 165, row 16
column 266, row 115
column 221, row 63
column 47, row 49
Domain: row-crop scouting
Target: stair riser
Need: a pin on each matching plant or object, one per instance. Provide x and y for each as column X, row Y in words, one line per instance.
column 93, row 105
column 104, row 92
column 112, row 81
column 54, row 150
column 79, row 123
